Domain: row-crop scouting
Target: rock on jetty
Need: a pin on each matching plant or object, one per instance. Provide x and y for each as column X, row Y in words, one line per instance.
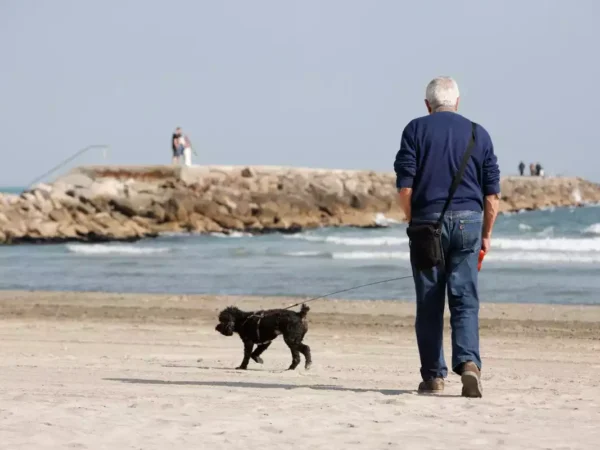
column 105, row 203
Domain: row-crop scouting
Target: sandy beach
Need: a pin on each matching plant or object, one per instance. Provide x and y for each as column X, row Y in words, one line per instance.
column 136, row 371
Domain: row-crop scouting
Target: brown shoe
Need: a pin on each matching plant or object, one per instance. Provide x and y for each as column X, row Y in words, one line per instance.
column 471, row 380
column 432, row 386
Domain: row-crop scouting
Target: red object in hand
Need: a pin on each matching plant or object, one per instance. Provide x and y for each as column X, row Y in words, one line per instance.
column 481, row 256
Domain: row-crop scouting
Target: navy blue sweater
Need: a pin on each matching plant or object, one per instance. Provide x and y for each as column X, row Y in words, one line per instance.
column 430, row 153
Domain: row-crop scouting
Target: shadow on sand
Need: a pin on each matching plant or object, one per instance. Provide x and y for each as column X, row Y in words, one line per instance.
column 224, row 369
column 249, row 385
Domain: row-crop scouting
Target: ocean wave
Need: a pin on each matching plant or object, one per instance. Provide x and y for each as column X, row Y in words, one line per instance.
column 371, row 255
column 367, row 241
column 174, row 234
column 353, row 241
column 121, row 249
column 383, row 221
column 350, row 255
column 531, row 257
column 500, row 256
column 544, row 257
column 308, row 253
column 513, row 213
column 546, row 232
column 305, row 237
column 592, row 230
column 233, row 234
column 545, row 241
column 548, row 244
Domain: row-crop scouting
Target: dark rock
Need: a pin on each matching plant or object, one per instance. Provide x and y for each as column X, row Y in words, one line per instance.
column 247, row 173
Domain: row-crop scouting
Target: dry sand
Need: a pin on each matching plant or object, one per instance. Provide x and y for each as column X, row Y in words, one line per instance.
column 112, row 371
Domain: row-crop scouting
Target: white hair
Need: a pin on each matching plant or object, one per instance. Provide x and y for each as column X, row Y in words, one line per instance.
column 442, row 92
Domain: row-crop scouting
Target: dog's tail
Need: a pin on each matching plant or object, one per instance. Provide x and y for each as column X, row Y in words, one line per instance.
column 303, row 311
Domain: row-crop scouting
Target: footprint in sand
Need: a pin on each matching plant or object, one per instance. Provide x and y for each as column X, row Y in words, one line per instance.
column 271, row 429
column 76, row 445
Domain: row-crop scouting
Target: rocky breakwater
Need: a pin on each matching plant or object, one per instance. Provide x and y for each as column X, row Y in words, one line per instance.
column 128, row 203
column 532, row 193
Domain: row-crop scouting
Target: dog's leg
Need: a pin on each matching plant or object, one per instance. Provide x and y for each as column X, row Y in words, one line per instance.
column 247, row 352
column 295, row 353
column 305, row 350
column 258, row 351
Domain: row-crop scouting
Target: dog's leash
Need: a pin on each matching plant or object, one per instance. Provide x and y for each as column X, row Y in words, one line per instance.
column 349, row 289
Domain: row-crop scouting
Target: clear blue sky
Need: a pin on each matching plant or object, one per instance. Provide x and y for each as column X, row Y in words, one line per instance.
column 317, row 83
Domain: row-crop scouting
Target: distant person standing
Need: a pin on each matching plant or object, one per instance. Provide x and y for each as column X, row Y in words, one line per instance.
column 539, row 171
column 532, row 169
column 522, row 168
column 181, row 146
column 175, row 146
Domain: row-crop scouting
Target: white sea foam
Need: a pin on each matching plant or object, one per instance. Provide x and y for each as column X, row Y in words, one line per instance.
column 591, row 204
column 173, row 233
column 382, row 221
column 304, row 237
column 548, row 244
column 498, row 256
column 592, row 230
column 542, row 244
column 120, row 249
column 536, row 251
column 546, row 232
column 544, row 257
column 367, row 241
column 525, row 227
column 351, row 255
column 306, row 253
column 354, row 241
column 370, row 255
column 233, row 234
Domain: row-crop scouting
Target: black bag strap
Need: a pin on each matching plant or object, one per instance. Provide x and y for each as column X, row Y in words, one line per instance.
column 459, row 174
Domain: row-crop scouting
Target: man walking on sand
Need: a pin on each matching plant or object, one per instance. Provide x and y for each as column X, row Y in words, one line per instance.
column 445, row 245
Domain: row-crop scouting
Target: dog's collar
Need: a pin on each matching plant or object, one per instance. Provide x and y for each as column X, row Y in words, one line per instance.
column 259, row 315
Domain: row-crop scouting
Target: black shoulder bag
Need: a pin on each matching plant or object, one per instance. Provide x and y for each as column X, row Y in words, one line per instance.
column 425, row 240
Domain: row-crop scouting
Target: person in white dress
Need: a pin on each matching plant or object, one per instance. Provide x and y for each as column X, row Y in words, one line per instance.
column 182, row 146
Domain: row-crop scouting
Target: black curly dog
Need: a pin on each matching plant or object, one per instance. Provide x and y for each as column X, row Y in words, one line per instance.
column 261, row 327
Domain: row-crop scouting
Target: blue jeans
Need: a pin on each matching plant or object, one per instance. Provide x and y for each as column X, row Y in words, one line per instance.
column 461, row 242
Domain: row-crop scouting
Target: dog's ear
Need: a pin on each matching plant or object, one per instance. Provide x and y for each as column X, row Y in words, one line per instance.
column 234, row 311
column 225, row 314
column 231, row 313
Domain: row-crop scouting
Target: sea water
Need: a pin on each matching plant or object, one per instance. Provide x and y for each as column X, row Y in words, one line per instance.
column 548, row 256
